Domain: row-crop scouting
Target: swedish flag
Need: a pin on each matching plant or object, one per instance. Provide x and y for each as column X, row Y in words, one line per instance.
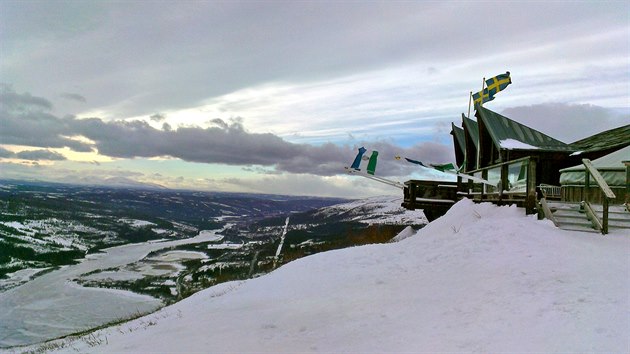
column 482, row 97
column 494, row 85
column 497, row 84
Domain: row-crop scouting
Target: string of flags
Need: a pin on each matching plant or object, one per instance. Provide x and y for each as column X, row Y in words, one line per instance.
column 355, row 168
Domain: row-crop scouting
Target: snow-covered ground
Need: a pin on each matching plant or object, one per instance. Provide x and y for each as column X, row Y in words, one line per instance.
column 480, row 279
column 377, row 210
column 53, row 305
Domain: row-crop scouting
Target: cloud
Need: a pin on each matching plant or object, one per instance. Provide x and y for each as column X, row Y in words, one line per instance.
column 226, row 143
column 23, row 103
column 219, row 122
column 307, row 184
column 6, row 153
column 158, row 117
column 25, row 120
column 568, row 122
column 37, row 155
column 249, row 43
column 73, row 97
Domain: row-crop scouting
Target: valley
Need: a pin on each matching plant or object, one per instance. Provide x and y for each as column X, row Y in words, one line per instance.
column 74, row 258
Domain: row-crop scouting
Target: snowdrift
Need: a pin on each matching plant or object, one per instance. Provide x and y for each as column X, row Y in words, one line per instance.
column 481, row 278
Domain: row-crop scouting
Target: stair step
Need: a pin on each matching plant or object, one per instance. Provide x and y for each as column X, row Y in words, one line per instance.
column 578, row 228
column 575, row 207
column 618, row 225
column 571, row 216
column 584, row 223
column 565, row 214
column 611, row 208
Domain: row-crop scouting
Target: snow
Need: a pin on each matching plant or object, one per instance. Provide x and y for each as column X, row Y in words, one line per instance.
column 406, row 233
column 511, row 144
column 211, row 235
column 225, row 246
column 378, row 210
column 53, row 305
column 137, row 223
column 481, row 278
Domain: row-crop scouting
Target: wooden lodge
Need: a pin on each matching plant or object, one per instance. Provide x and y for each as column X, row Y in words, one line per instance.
column 524, row 166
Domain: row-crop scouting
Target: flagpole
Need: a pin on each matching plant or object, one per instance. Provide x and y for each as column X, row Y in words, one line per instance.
column 478, row 157
column 469, row 102
column 483, row 85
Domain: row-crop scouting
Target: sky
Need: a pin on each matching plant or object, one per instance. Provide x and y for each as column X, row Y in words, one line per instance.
column 276, row 96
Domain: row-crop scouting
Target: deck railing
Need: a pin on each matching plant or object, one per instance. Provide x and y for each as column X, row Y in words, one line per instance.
column 510, row 182
column 607, row 193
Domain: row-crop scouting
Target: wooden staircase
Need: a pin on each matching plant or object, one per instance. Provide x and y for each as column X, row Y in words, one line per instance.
column 586, row 217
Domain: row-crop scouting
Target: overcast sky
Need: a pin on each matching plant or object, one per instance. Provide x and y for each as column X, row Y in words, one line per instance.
column 276, row 96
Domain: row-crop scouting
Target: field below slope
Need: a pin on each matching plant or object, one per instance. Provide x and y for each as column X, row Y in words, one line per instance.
column 480, row 279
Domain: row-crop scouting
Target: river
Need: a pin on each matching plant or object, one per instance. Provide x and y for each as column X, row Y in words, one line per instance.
column 52, row 305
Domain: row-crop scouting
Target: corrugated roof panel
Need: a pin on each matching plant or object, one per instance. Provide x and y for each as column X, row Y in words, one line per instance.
column 473, row 130
column 502, row 128
column 519, row 132
column 459, row 136
column 617, row 137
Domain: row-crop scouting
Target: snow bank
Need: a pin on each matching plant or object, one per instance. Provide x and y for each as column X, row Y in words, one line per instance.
column 407, row 232
column 481, row 278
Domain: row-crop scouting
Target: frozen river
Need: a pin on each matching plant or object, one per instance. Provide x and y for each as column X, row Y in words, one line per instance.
column 52, row 305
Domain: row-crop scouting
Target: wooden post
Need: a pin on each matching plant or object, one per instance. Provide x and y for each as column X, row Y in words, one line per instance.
column 504, row 180
column 412, row 195
column 627, row 199
column 484, row 175
column 530, row 198
column 605, row 216
column 587, row 186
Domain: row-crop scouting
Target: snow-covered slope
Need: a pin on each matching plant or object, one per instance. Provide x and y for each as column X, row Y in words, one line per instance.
column 482, row 279
column 375, row 210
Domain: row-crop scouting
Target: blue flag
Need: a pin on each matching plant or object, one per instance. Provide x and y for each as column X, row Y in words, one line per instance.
column 416, row 162
column 357, row 160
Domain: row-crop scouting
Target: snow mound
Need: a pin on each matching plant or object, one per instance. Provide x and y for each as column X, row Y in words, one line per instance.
column 407, row 232
column 481, row 278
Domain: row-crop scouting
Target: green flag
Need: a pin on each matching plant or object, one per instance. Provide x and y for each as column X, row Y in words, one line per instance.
column 371, row 168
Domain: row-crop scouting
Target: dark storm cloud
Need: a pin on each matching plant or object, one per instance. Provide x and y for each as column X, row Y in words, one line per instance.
column 73, row 97
column 37, row 155
column 26, row 123
column 32, row 155
column 567, row 122
column 25, row 120
column 12, row 101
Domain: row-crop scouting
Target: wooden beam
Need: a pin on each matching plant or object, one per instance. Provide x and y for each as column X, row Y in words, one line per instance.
column 547, row 211
column 530, row 199
column 598, row 179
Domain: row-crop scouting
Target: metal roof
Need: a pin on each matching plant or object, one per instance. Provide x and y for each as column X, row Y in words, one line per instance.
column 618, row 137
column 503, row 129
column 472, row 128
column 458, row 133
